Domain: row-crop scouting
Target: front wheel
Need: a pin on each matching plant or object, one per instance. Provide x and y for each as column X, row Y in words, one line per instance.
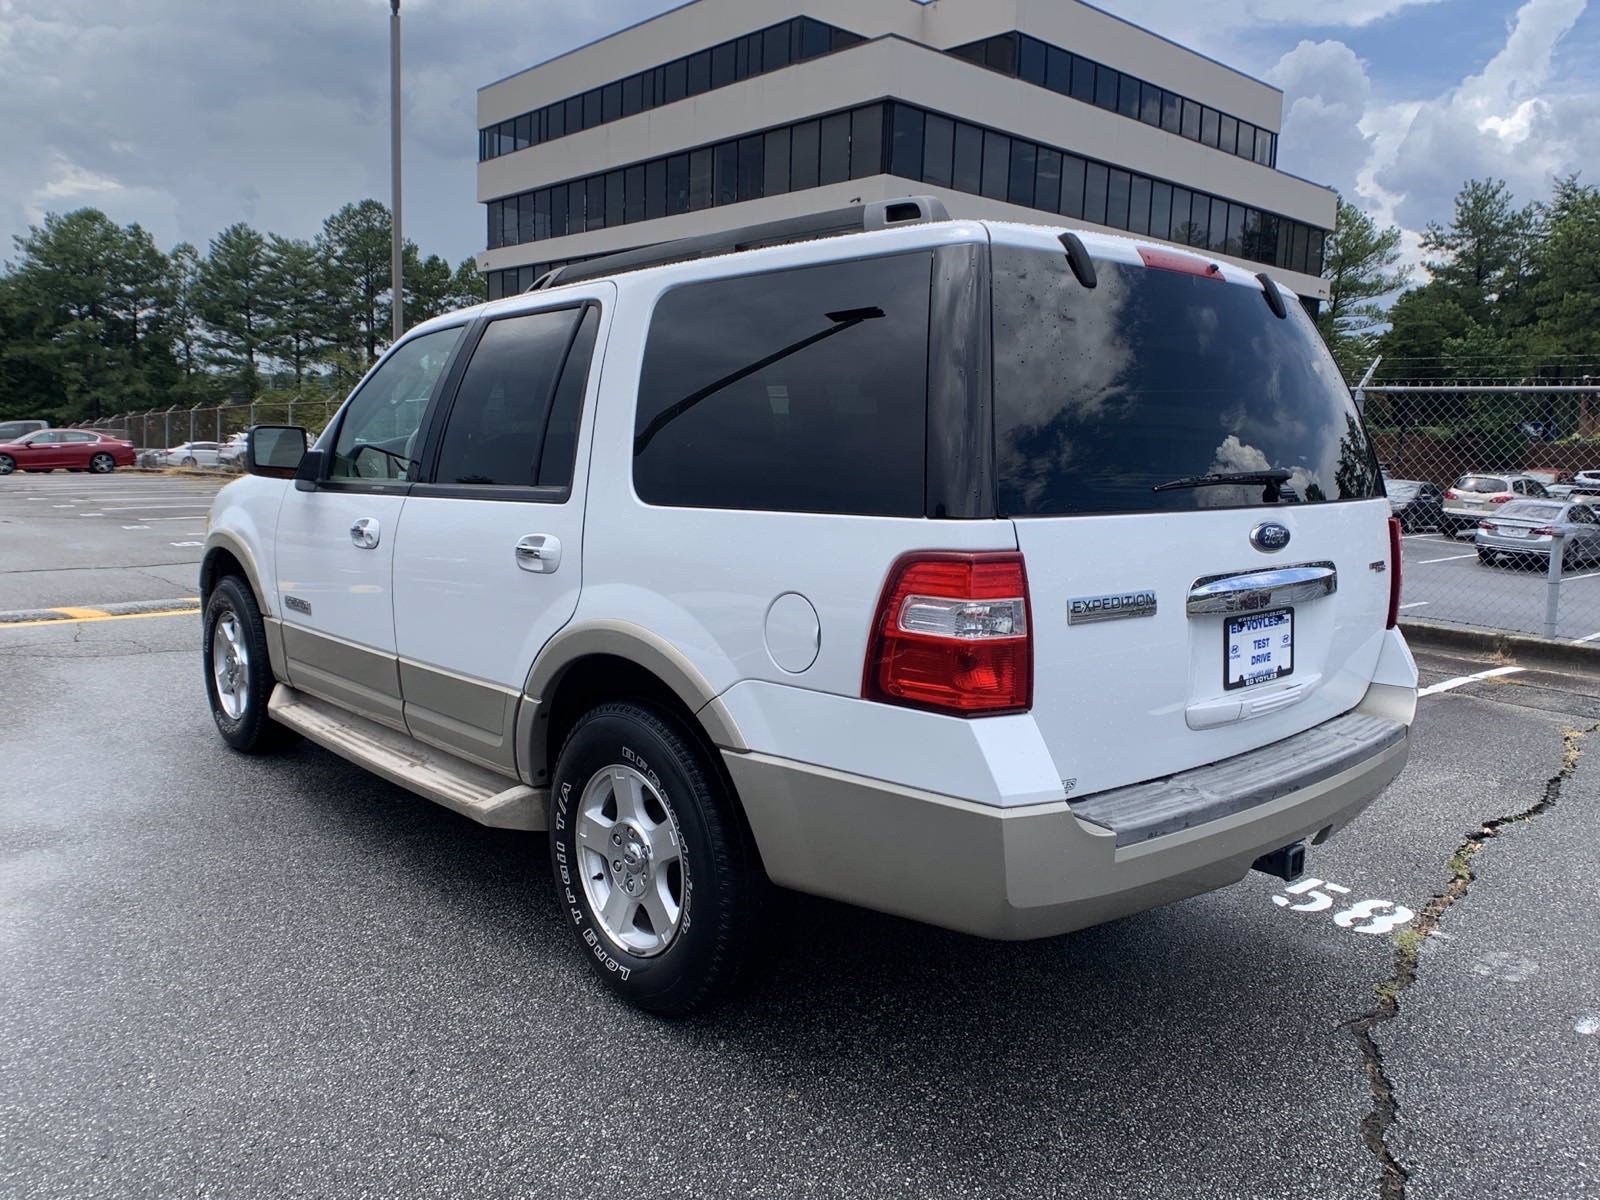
column 102, row 464
column 238, row 673
column 655, row 871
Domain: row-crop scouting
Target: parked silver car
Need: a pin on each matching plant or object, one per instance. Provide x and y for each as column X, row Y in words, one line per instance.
column 1525, row 530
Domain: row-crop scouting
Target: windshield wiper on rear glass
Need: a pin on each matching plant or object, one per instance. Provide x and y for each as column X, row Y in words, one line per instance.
column 1273, row 480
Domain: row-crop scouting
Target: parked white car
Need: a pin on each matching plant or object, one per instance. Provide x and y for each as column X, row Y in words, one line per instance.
column 829, row 580
column 1479, row 494
column 231, row 452
column 190, row 454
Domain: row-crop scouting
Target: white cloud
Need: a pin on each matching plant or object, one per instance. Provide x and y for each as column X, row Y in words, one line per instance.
column 1404, row 158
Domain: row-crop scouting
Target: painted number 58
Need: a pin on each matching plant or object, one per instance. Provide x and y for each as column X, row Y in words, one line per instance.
column 1364, row 916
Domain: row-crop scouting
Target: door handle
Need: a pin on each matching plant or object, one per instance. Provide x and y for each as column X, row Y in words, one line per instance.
column 539, row 553
column 365, row 533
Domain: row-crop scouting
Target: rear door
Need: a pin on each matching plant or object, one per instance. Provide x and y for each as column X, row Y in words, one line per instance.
column 76, row 447
column 488, row 557
column 1179, row 621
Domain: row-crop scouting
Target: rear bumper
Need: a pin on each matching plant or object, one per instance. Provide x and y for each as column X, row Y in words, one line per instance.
column 1527, row 547
column 1041, row 869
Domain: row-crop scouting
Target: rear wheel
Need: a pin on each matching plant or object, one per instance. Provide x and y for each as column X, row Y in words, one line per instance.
column 102, row 464
column 238, row 673
column 188, row 460
column 654, row 869
column 7, row 464
column 1486, row 558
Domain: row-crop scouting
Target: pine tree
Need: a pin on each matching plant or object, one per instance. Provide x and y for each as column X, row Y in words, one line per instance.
column 355, row 245
column 230, row 296
column 1361, row 264
column 294, row 288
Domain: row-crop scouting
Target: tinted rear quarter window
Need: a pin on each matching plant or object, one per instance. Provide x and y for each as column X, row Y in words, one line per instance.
column 1155, row 375
column 802, row 390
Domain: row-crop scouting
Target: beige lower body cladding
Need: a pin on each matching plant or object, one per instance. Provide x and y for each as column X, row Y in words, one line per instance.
column 1016, row 873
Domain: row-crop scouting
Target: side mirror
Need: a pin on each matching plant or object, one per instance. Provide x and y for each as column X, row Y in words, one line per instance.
column 275, row 450
column 309, row 472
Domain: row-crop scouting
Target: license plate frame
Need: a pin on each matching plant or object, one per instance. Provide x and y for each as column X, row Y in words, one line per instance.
column 1236, row 631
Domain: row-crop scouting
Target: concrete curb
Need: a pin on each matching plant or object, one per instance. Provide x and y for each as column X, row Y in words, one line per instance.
column 1491, row 643
column 130, row 608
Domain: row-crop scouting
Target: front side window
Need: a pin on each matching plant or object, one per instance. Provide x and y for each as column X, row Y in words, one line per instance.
column 378, row 437
column 497, row 426
column 1156, row 376
column 798, row 391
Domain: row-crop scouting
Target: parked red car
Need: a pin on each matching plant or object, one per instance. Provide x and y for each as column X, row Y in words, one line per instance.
column 74, row 449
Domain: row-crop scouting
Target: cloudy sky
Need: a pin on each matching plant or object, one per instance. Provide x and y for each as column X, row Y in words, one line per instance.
column 187, row 115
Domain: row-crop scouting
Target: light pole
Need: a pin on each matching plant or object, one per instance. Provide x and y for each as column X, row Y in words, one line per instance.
column 396, row 237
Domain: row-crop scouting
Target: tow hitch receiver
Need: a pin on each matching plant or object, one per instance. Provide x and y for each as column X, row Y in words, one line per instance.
column 1286, row 862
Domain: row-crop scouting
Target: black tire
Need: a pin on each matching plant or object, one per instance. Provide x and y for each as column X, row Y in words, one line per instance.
column 1569, row 559
column 188, row 460
column 1486, row 558
column 7, row 464
column 721, row 883
column 251, row 730
column 102, row 464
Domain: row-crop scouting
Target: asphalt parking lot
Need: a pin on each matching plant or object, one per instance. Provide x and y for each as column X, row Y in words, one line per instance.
column 234, row 977
column 1444, row 581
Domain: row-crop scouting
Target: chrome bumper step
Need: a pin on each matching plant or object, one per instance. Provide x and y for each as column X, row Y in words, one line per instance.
column 1148, row 810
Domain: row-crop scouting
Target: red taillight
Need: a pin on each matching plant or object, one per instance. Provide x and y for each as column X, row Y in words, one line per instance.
column 1487, row 526
column 1450, row 494
column 1545, row 531
column 1502, row 499
column 1394, row 572
column 952, row 634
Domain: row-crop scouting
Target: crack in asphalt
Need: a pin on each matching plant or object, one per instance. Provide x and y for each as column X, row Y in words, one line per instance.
column 1393, row 1176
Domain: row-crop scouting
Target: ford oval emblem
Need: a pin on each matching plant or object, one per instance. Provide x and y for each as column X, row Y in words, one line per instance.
column 1269, row 537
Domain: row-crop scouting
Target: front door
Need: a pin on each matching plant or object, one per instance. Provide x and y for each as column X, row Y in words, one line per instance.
column 43, row 451
column 488, row 560
column 335, row 542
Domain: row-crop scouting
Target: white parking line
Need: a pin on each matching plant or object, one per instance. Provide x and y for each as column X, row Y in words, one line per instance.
column 200, row 517
column 1451, row 684
column 148, row 507
column 1448, row 558
column 1593, row 637
column 1416, row 604
column 1575, row 578
column 1437, row 537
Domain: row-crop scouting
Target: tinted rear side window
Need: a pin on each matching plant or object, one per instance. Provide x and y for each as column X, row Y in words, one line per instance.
column 1154, row 376
column 1483, row 483
column 798, row 391
column 496, row 430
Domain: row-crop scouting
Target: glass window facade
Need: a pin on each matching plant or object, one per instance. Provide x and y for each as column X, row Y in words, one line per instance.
column 915, row 144
column 726, row 63
column 1036, row 62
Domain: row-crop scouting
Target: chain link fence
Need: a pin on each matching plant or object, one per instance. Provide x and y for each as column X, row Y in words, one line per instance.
column 210, row 437
column 1497, row 486
column 1496, row 482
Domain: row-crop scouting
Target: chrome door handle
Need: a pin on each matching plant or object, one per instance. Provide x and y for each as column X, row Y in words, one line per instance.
column 539, row 552
column 365, row 533
column 1251, row 590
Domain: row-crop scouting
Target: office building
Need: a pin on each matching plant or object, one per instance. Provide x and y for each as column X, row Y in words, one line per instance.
column 722, row 113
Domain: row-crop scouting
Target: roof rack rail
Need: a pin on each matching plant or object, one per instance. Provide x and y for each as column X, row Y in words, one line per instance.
column 878, row 214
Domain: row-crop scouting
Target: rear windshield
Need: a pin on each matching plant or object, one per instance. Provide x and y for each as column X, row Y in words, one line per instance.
column 1482, row 483
column 1532, row 510
column 1156, row 376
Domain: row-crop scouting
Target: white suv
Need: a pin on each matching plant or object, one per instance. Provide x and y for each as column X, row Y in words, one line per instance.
column 992, row 575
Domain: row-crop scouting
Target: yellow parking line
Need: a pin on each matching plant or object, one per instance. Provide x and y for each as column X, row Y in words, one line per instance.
column 165, row 612
column 82, row 614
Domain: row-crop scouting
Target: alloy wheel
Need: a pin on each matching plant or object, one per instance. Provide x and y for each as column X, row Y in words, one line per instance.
column 230, row 665
column 630, row 858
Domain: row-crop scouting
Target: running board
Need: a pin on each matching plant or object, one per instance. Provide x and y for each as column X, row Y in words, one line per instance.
column 473, row 791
